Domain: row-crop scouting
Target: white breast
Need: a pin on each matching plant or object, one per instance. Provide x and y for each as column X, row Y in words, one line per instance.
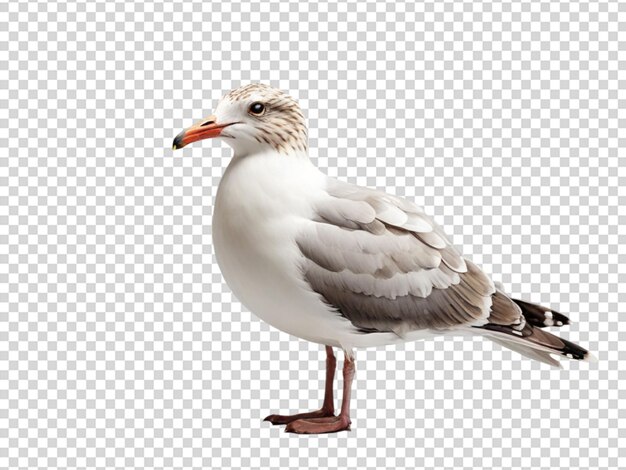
column 261, row 203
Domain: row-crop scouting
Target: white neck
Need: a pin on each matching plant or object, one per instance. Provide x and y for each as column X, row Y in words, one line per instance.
column 270, row 181
column 266, row 152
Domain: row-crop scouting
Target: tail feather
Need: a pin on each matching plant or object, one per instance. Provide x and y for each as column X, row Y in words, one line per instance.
column 560, row 345
column 536, row 338
column 536, row 354
column 526, row 336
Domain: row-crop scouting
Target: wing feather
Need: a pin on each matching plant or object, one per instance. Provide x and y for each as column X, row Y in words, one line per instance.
column 385, row 265
column 433, row 240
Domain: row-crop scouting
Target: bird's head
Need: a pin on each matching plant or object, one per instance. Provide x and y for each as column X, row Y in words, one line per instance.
column 253, row 118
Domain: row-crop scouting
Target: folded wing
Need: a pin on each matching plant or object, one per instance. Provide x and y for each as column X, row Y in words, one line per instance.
column 382, row 263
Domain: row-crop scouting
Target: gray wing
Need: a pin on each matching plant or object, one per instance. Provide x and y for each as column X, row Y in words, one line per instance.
column 382, row 263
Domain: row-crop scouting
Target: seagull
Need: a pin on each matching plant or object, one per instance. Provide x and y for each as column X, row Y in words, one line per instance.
column 342, row 265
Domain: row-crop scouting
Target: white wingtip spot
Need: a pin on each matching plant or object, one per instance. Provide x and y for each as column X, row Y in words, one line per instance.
column 590, row 358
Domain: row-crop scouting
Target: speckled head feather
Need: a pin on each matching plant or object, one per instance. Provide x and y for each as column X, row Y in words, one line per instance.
column 281, row 125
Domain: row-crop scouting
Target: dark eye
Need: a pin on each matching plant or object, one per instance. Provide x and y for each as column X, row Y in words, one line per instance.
column 257, row 108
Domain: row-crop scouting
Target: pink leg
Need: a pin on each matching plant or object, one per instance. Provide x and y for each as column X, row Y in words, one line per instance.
column 328, row 408
column 331, row 423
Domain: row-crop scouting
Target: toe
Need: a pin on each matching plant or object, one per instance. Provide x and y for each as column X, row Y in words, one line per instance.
column 285, row 419
column 319, row 425
column 277, row 419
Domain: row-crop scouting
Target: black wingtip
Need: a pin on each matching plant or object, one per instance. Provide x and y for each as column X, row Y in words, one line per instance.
column 574, row 351
column 540, row 316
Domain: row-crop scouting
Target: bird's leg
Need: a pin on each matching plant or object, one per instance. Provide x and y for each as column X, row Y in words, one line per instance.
column 328, row 407
column 332, row 423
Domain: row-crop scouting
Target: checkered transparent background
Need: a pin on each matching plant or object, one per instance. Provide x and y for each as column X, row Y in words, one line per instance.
column 120, row 345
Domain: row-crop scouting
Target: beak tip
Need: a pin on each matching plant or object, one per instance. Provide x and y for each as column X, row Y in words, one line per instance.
column 178, row 140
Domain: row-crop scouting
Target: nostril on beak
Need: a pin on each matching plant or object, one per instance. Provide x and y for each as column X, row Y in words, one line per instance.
column 206, row 123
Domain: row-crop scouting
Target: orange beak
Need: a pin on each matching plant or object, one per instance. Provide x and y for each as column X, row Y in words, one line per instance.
column 205, row 129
